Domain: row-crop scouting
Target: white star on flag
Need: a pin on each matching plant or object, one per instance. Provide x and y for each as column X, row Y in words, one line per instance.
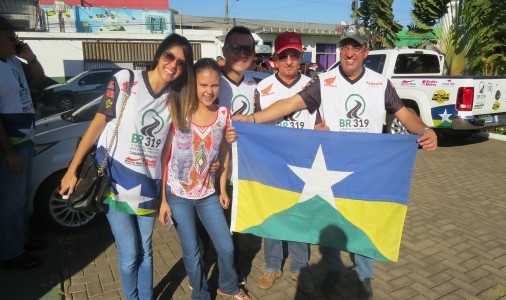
column 318, row 179
column 445, row 116
column 132, row 194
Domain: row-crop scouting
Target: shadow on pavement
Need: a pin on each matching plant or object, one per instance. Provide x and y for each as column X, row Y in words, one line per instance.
column 456, row 140
column 66, row 255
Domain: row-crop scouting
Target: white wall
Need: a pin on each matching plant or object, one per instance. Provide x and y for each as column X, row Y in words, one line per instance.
column 61, row 54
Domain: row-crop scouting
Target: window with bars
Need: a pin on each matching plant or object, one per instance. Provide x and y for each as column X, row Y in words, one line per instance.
column 155, row 23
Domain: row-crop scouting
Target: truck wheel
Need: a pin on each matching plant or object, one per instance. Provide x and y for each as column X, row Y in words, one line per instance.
column 65, row 102
column 394, row 126
column 50, row 207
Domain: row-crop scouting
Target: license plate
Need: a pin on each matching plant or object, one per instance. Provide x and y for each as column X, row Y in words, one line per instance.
column 487, row 118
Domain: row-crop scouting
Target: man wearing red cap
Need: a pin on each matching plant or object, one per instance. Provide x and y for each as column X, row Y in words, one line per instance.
column 285, row 83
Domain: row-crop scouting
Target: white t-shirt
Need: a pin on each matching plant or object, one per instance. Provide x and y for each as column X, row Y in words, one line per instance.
column 239, row 98
column 353, row 106
column 16, row 106
column 136, row 169
column 272, row 89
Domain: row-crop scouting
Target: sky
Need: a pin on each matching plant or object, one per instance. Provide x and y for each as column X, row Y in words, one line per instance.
column 319, row 11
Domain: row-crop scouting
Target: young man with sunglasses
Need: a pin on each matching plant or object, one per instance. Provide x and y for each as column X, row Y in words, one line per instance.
column 236, row 87
column 17, row 121
column 285, row 83
column 237, row 93
column 350, row 98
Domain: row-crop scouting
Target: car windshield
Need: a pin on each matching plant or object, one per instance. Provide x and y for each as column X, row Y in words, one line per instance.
column 75, row 77
column 84, row 113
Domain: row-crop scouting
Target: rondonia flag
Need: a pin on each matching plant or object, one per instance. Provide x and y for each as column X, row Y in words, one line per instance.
column 339, row 189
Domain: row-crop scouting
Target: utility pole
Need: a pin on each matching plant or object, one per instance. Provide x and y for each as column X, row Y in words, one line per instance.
column 226, row 15
column 354, row 8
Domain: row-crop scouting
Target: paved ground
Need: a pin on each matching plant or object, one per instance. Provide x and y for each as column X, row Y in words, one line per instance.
column 453, row 247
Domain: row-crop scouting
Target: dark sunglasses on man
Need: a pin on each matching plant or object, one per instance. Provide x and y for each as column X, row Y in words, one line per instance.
column 236, row 49
column 294, row 55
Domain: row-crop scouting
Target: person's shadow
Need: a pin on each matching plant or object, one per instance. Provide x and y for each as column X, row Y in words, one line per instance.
column 329, row 283
column 166, row 288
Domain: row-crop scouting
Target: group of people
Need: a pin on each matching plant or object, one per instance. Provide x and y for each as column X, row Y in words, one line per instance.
column 176, row 123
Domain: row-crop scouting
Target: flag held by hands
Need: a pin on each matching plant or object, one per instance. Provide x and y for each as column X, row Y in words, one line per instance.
column 339, row 189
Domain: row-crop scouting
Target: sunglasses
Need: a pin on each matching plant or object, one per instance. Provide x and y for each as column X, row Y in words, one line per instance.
column 236, row 49
column 351, row 49
column 293, row 55
column 169, row 57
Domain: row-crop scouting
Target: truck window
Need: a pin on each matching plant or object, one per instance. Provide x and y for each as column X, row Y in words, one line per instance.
column 375, row 62
column 413, row 63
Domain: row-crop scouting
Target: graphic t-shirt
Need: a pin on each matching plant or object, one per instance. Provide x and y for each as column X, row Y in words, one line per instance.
column 16, row 107
column 272, row 89
column 134, row 163
column 354, row 106
column 239, row 98
column 192, row 153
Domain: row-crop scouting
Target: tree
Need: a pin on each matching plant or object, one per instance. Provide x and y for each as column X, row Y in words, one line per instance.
column 470, row 44
column 378, row 16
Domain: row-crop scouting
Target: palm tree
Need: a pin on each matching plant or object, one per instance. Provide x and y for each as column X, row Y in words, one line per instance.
column 378, row 16
column 470, row 43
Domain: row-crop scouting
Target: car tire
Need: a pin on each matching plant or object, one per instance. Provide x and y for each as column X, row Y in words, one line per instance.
column 52, row 209
column 394, row 126
column 65, row 102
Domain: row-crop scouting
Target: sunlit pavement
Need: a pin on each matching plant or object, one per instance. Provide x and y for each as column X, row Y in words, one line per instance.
column 453, row 247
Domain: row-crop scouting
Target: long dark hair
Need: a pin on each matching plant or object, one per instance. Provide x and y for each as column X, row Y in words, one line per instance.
column 182, row 88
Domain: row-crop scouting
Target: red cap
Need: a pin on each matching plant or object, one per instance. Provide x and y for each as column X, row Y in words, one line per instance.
column 288, row 40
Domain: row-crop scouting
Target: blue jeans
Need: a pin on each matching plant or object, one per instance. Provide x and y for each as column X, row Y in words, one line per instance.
column 15, row 190
column 132, row 235
column 210, row 213
column 273, row 251
column 364, row 266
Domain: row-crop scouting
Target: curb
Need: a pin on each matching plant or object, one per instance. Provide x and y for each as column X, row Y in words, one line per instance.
column 495, row 136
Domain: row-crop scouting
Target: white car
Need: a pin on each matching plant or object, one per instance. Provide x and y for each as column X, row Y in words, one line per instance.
column 56, row 138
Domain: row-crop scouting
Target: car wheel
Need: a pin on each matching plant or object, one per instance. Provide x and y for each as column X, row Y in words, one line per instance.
column 394, row 126
column 65, row 102
column 53, row 209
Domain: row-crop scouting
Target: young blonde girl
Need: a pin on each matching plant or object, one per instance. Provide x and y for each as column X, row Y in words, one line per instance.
column 190, row 188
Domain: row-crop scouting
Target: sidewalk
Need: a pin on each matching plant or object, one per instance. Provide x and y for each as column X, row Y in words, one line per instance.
column 453, row 247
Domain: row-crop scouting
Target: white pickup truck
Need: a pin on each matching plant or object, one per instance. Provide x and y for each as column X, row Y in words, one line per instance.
column 460, row 104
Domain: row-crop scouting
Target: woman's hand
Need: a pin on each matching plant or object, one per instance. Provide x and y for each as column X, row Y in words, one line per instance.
column 165, row 213
column 68, row 183
column 231, row 134
column 224, row 200
column 215, row 166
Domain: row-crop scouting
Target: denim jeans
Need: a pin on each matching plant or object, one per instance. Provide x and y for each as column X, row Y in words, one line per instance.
column 364, row 266
column 210, row 212
column 273, row 251
column 132, row 235
column 15, row 191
